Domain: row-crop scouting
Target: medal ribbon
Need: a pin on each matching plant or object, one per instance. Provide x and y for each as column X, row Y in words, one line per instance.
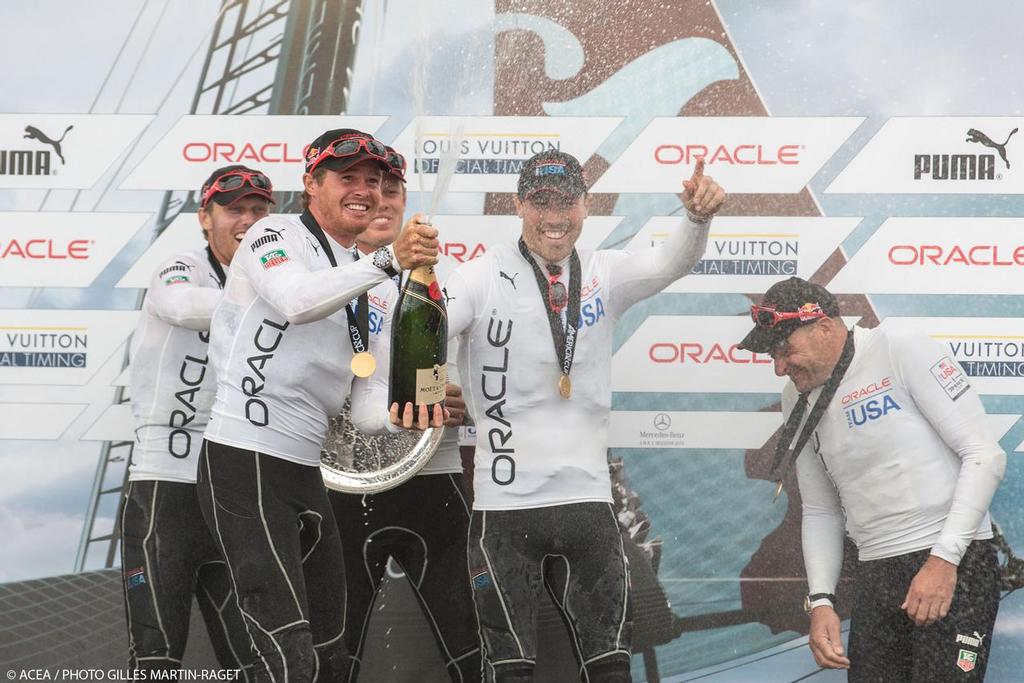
column 564, row 338
column 358, row 319
column 218, row 269
column 785, row 459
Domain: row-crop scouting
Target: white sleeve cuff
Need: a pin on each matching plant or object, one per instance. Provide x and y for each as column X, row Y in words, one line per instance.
column 822, row 601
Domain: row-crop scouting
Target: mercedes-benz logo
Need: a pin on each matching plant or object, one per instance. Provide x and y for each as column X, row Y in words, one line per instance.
column 662, row 422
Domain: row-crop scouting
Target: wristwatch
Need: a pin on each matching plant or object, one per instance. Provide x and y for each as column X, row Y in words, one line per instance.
column 383, row 259
column 810, row 599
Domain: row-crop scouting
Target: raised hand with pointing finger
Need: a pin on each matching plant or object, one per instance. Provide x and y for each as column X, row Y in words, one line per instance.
column 702, row 196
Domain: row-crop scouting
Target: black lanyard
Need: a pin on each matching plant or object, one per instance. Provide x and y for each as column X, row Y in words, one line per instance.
column 789, row 431
column 218, row 269
column 358, row 320
column 564, row 338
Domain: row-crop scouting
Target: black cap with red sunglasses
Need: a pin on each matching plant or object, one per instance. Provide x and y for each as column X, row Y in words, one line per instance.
column 340, row 148
column 787, row 305
column 228, row 184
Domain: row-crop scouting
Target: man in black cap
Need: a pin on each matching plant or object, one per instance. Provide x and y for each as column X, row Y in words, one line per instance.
column 167, row 553
column 535, row 321
column 286, row 346
column 896, row 449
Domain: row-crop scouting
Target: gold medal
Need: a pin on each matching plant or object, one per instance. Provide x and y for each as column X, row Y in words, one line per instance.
column 363, row 364
column 565, row 386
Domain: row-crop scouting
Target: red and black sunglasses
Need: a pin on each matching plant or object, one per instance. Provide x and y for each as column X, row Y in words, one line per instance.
column 396, row 163
column 232, row 180
column 767, row 316
column 350, row 146
column 558, row 295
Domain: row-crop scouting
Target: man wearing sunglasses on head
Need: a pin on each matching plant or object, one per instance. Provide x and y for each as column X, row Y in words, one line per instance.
column 422, row 523
column 891, row 442
column 285, row 348
column 536, row 319
column 168, row 554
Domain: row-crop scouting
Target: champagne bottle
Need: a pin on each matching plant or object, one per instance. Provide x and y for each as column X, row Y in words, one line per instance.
column 419, row 343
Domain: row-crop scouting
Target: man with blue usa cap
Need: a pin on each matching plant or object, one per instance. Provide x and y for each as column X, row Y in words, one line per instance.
column 537, row 383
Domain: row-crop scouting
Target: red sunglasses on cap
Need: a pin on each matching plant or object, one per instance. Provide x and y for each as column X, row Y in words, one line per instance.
column 766, row 316
column 350, row 146
column 232, row 180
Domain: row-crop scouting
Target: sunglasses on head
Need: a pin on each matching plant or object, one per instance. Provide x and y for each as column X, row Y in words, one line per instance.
column 232, row 180
column 766, row 316
column 396, row 162
column 350, row 146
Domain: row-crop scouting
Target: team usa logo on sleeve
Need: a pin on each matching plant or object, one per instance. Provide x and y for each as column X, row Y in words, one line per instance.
column 950, row 378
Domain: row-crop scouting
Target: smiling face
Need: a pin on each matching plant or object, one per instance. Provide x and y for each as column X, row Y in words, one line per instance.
column 552, row 222
column 808, row 355
column 225, row 226
column 387, row 221
column 344, row 202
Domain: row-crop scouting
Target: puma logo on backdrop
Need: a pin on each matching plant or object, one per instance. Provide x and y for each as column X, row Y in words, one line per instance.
column 975, row 135
column 33, row 133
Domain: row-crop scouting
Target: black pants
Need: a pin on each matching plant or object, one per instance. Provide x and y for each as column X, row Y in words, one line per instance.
column 167, row 556
column 277, row 533
column 575, row 552
column 422, row 524
column 885, row 645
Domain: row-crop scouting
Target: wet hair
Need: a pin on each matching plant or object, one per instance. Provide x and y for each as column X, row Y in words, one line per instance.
column 318, row 177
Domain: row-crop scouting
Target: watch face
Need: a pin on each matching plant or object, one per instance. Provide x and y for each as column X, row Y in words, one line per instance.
column 382, row 259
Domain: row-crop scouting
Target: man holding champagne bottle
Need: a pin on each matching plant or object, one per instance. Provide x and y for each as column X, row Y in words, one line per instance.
column 540, row 395
column 421, row 524
column 285, row 356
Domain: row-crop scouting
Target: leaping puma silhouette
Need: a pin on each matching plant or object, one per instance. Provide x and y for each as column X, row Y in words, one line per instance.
column 33, row 133
column 510, row 279
column 975, row 135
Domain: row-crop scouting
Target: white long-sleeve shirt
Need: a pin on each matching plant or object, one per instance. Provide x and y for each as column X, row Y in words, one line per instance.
column 902, row 457
column 534, row 448
column 171, row 381
column 280, row 344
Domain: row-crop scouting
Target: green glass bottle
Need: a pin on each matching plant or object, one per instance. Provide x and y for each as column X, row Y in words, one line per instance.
column 419, row 343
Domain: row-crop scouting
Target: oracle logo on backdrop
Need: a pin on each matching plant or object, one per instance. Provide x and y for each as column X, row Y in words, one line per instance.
column 938, row 255
column 58, row 249
column 199, row 144
column 277, row 152
column 694, row 354
column 740, row 155
column 746, row 154
column 702, row 353
column 956, row 254
column 45, row 249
